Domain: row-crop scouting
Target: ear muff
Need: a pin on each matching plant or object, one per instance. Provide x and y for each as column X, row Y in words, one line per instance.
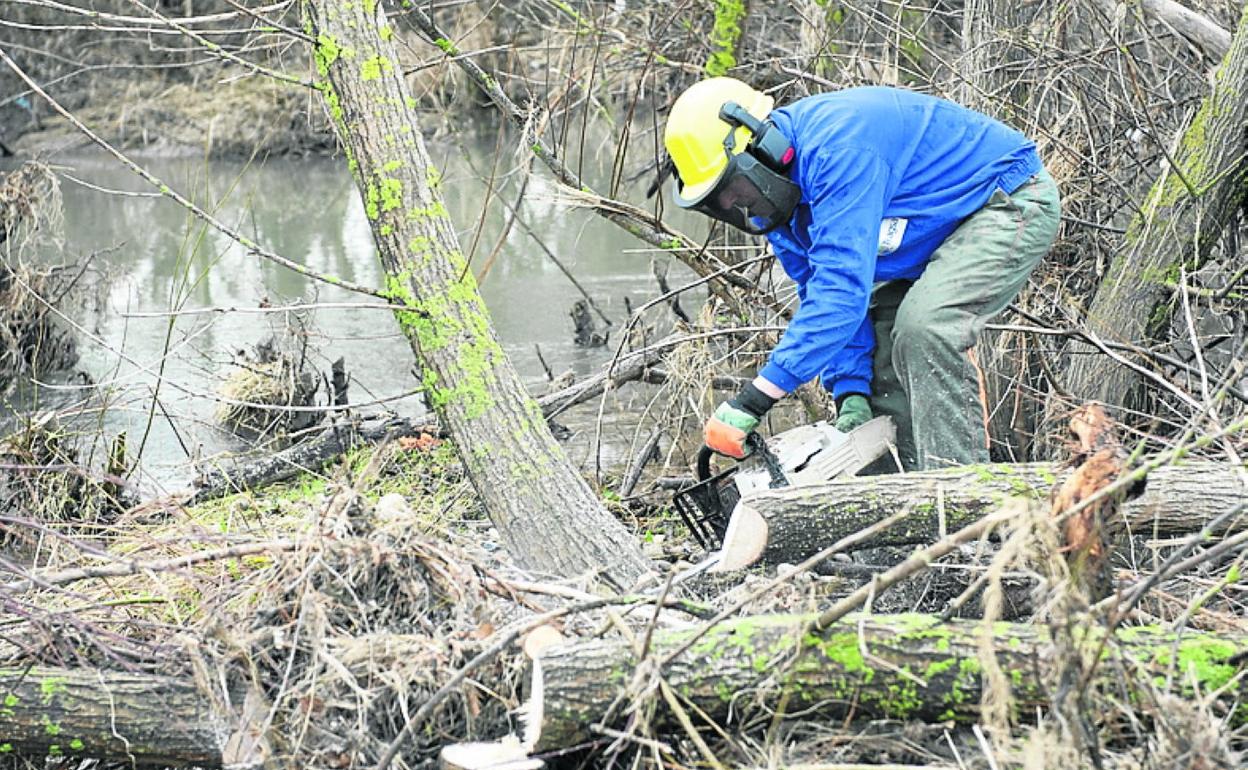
column 767, row 144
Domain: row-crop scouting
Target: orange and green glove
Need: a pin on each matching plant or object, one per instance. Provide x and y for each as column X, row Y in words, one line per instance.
column 852, row 411
column 734, row 420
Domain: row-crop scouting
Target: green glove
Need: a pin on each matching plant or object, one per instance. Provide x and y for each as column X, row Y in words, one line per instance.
column 853, row 411
column 727, row 429
column 734, row 420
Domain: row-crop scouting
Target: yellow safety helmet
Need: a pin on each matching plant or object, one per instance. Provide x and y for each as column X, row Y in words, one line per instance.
column 731, row 163
column 695, row 133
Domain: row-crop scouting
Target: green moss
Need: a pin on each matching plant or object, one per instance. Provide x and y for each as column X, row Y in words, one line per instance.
column 1206, row 659
column 334, row 105
column 901, row 699
column 374, row 67
column 326, row 52
column 938, row 667
column 966, row 682
column 455, row 316
column 725, row 33
column 983, row 474
column 384, row 194
column 433, row 210
column 50, row 687
column 843, row 650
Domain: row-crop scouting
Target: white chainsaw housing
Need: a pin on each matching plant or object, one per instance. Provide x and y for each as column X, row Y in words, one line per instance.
column 818, row 452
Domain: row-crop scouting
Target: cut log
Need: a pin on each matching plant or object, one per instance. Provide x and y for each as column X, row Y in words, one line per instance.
column 788, row 525
column 129, row 718
column 885, row 666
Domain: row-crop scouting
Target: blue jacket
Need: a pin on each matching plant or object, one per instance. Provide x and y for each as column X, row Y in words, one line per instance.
column 886, row 175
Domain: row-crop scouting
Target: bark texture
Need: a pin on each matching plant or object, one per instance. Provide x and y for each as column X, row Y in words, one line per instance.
column 907, row 666
column 545, row 512
column 801, row 521
column 1184, row 215
column 145, row 720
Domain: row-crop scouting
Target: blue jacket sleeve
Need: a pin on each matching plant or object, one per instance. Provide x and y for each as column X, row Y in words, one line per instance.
column 792, row 259
column 851, row 371
column 847, row 188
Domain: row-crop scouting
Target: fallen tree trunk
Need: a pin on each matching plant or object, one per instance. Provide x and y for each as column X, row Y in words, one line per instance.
column 135, row 719
column 885, row 666
column 788, row 525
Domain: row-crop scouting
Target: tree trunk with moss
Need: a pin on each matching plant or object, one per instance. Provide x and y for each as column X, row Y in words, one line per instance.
column 791, row 524
column 546, row 513
column 1184, row 215
column 145, row 720
column 908, row 666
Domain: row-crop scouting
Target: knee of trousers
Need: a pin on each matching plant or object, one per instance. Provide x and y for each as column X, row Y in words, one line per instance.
column 925, row 342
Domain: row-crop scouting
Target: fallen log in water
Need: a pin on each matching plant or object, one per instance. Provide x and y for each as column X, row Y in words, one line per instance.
column 908, row 666
column 788, row 525
column 230, row 476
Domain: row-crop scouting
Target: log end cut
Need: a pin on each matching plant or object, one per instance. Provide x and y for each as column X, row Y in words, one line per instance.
column 744, row 540
column 506, row 754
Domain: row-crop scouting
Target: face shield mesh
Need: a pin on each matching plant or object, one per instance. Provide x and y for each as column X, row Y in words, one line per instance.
column 749, row 196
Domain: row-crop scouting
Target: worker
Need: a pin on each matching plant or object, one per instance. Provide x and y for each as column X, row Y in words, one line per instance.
column 906, row 222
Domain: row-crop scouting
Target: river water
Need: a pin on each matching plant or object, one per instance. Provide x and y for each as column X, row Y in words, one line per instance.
column 168, row 300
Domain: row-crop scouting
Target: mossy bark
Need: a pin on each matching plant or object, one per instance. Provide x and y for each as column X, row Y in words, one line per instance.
column 144, row 720
column 1183, row 216
column 545, row 512
column 907, row 666
column 801, row 521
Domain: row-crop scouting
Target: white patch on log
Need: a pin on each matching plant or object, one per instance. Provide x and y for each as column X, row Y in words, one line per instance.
column 507, row 754
column 744, row 540
column 533, row 712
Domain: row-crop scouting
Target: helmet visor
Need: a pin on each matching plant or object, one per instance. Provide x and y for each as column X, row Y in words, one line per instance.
column 748, row 195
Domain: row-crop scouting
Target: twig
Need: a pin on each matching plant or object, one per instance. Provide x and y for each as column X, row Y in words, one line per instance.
column 917, row 563
column 132, row 567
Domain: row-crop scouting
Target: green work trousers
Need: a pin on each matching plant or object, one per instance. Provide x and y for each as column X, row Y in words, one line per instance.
column 926, row 377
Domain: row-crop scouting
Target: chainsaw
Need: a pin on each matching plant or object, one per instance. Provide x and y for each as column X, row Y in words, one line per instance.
column 807, row 454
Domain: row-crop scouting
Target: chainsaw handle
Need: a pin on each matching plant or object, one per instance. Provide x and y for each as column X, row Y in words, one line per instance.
column 704, row 463
column 756, row 443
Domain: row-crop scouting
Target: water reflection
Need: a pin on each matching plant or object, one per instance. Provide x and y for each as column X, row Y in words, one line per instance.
column 154, row 257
